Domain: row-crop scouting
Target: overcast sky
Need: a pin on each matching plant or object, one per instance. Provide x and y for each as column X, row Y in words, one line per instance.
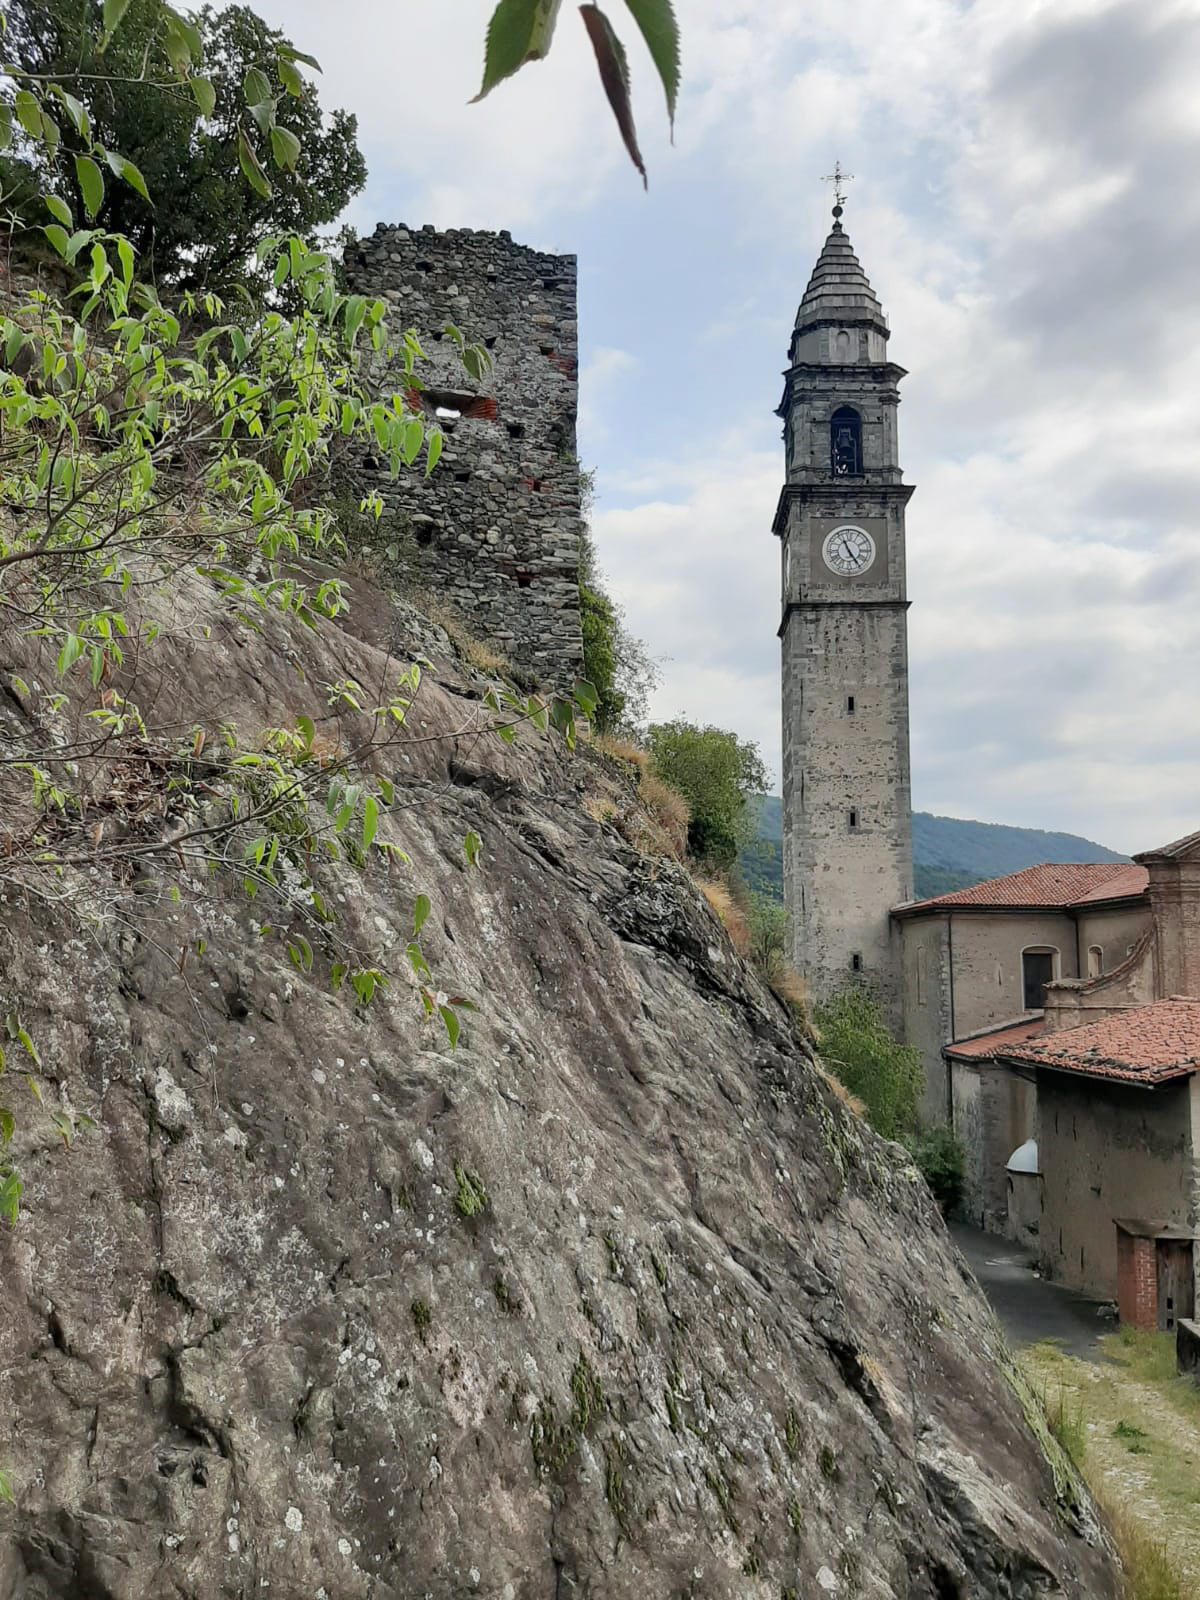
column 1026, row 206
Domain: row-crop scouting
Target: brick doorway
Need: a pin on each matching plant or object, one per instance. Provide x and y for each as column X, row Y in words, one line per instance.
column 1156, row 1283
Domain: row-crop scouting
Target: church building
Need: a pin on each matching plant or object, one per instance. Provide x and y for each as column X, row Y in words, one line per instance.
column 847, row 825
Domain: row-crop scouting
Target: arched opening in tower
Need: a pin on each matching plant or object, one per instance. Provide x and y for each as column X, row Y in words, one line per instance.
column 845, row 439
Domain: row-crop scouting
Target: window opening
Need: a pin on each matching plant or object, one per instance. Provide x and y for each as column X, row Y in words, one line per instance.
column 524, row 580
column 853, row 818
column 1095, row 961
column 850, row 704
column 845, row 439
column 1037, row 970
column 856, row 962
column 447, row 413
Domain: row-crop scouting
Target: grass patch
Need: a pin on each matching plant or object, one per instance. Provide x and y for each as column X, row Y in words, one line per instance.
column 720, row 898
column 1144, row 1475
column 478, row 653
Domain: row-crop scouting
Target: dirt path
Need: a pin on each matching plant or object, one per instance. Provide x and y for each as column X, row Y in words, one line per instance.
column 1139, row 1426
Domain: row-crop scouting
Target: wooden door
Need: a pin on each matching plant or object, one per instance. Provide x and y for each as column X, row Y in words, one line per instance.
column 1176, row 1285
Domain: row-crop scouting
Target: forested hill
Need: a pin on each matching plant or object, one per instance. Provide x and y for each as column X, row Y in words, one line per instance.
column 948, row 852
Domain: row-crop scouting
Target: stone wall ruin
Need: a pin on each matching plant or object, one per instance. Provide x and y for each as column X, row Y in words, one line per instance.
column 495, row 530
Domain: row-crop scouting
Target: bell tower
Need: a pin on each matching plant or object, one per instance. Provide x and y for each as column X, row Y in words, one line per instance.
column 847, row 820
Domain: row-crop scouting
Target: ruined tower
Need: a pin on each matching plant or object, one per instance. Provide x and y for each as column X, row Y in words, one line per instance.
column 494, row 531
column 847, row 825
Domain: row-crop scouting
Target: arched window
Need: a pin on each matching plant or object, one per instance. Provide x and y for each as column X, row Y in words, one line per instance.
column 845, row 443
column 1095, row 960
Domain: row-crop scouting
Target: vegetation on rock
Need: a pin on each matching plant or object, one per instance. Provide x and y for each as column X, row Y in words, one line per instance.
column 719, row 775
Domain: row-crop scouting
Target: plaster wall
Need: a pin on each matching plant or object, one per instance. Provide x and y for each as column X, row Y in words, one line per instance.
column 1116, row 932
column 995, row 1111
column 1108, row 1151
column 988, row 982
column 924, row 952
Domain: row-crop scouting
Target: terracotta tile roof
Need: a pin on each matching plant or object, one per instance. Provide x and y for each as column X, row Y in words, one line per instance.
column 995, row 1040
column 1145, row 1044
column 1129, row 881
column 1052, row 885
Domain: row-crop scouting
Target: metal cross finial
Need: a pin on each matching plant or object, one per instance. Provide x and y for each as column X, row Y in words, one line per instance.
column 837, row 178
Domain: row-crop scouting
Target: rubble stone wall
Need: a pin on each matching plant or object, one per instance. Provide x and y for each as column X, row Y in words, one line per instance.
column 495, row 530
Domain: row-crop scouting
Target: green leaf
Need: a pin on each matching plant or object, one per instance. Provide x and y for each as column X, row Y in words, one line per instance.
column 288, row 76
column 520, row 31
column 7, row 1125
column 64, row 1126
column 656, row 19
column 370, row 821
column 586, row 697
column 285, row 147
column 133, row 177
column 57, row 237
column 125, row 252
column 301, row 953
column 614, row 75
column 10, row 1204
column 5, row 125
column 452, row 1024
column 75, row 109
column 114, row 10
column 59, row 209
column 436, row 441
column 181, row 40
column 472, row 845
column 308, row 731
column 72, row 649
column 256, row 86
column 204, row 95
column 29, row 113
column 416, row 960
column 476, row 360
column 288, row 52
column 252, row 167
column 422, row 906
column 91, row 184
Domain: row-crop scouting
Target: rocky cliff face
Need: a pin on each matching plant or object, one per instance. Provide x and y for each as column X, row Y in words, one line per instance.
column 615, row 1300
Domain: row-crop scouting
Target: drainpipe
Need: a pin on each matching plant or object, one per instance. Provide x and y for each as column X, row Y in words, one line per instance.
column 950, row 1069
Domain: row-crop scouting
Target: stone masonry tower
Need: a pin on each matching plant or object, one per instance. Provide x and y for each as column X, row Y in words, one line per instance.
column 847, row 822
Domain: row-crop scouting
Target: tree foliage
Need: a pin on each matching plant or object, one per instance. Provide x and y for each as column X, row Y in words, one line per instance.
column 858, row 1047
column 203, row 140
column 719, row 775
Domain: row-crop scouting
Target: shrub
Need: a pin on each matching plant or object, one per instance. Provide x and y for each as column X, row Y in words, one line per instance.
column 939, row 1158
column 859, row 1049
column 719, row 775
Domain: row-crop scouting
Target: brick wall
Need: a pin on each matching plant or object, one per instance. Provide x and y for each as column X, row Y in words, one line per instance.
column 1137, row 1281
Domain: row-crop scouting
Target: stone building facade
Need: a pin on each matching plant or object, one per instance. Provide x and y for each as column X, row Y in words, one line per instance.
column 495, row 530
column 847, row 825
column 971, row 960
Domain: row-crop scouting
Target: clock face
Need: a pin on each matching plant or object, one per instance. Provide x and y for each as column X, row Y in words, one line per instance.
column 848, row 551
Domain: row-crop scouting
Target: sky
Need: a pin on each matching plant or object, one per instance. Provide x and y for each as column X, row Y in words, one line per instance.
column 1026, row 206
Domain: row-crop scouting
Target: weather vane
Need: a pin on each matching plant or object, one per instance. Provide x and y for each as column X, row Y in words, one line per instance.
column 838, row 178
